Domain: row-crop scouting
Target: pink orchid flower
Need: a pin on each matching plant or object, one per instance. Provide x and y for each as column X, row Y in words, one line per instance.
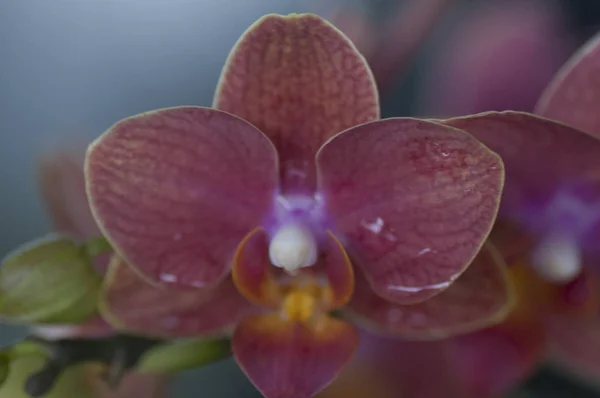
column 237, row 218
column 572, row 98
column 500, row 55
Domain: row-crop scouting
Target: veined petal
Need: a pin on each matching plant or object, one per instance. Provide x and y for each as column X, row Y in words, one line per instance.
column 255, row 277
column 482, row 296
column 412, row 201
column 130, row 303
column 531, row 181
column 300, row 81
column 176, row 190
column 286, row 359
column 573, row 96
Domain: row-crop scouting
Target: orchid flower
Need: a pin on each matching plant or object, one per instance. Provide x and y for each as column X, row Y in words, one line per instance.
column 571, row 99
column 553, row 197
column 500, row 55
column 290, row 200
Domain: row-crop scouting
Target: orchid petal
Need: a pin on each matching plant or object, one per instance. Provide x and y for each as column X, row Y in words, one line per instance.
column 411, row 200
column 573, row 96
column 176, row 190
column 516, row 136
column 288, row 359
column 254, row 277
column 300, row 81
column 129, row 303
column 482, row 296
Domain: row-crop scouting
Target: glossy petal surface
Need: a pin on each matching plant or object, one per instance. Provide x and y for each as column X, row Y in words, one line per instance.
column 176, row 190
column 483, row 295
column 412, row 201
column 574, row 95
column 132, row 304
column 531, row 180
column 300, row 81
column 287, row 359
column 260, row 283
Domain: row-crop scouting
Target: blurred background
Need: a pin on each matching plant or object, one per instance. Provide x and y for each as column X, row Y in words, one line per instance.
column 69, row 69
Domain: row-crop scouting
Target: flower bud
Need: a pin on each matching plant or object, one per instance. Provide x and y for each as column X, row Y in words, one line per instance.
column 50, row 280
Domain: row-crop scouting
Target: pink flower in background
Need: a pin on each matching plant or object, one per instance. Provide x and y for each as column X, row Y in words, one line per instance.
column 573, row 97
column 499, row 56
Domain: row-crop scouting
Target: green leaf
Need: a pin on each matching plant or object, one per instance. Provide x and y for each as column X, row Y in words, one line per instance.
column 51, row 280
column 183, row 355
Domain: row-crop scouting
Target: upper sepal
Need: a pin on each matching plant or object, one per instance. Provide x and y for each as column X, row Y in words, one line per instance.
column 286, row 359
column 482, row 296
column 175, row 191
column 412, row 201
column 50, row 280
column 300, row 81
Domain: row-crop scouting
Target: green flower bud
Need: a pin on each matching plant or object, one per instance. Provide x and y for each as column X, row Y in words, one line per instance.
column 183, row 355
column 50, row 280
